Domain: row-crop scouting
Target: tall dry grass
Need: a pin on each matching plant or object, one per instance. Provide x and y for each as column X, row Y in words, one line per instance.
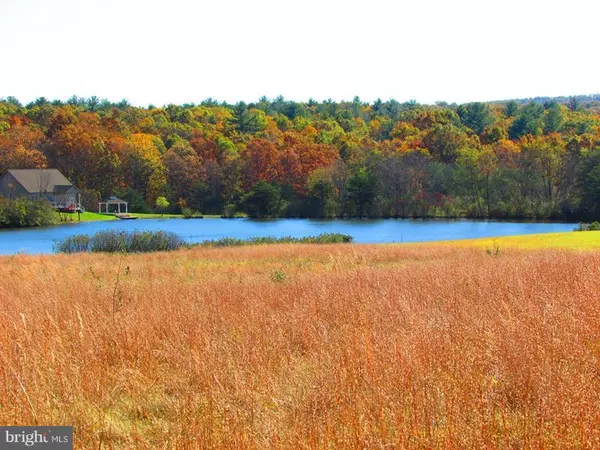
column 305, row 347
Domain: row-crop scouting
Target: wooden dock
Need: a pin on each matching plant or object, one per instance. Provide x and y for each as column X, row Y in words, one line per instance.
column 125, row 217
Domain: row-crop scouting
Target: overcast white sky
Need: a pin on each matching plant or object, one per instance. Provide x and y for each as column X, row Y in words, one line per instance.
column 183, row 51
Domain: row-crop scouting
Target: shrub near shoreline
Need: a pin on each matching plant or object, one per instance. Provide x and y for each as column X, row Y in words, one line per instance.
column 21, row 213
column 156, row 241
column 594, row 226
column 324, row 238
column 120, row 241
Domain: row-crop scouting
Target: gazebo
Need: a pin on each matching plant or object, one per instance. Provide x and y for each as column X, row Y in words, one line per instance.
column 112, row 201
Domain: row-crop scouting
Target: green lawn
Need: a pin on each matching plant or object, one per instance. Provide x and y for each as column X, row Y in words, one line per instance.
column 92, row 216
column 87, row 217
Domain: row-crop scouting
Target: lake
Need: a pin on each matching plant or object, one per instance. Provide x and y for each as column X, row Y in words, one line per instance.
column 40, row 240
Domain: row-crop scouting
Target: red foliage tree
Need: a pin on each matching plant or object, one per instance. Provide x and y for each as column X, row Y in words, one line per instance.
column 261, row 161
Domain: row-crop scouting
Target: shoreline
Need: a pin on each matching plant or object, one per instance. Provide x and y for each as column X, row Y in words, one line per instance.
column 561, row 240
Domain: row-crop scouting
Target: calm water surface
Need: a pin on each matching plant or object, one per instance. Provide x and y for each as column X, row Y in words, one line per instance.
column 40, row 240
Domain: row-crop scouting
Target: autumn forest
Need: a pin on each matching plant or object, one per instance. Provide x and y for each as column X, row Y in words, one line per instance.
column 528, row 159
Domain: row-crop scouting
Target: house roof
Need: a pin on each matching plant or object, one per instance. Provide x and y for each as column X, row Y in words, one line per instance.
column 113, row 201
column 41, row 180
column 62, row 189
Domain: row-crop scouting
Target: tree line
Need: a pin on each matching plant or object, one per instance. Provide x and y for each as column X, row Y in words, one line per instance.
column 515, row 159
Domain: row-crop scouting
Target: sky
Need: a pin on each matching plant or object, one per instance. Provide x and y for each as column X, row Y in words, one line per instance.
column 184, row 51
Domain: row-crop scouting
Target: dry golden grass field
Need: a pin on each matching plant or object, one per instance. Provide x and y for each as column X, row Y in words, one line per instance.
column 300, row 346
